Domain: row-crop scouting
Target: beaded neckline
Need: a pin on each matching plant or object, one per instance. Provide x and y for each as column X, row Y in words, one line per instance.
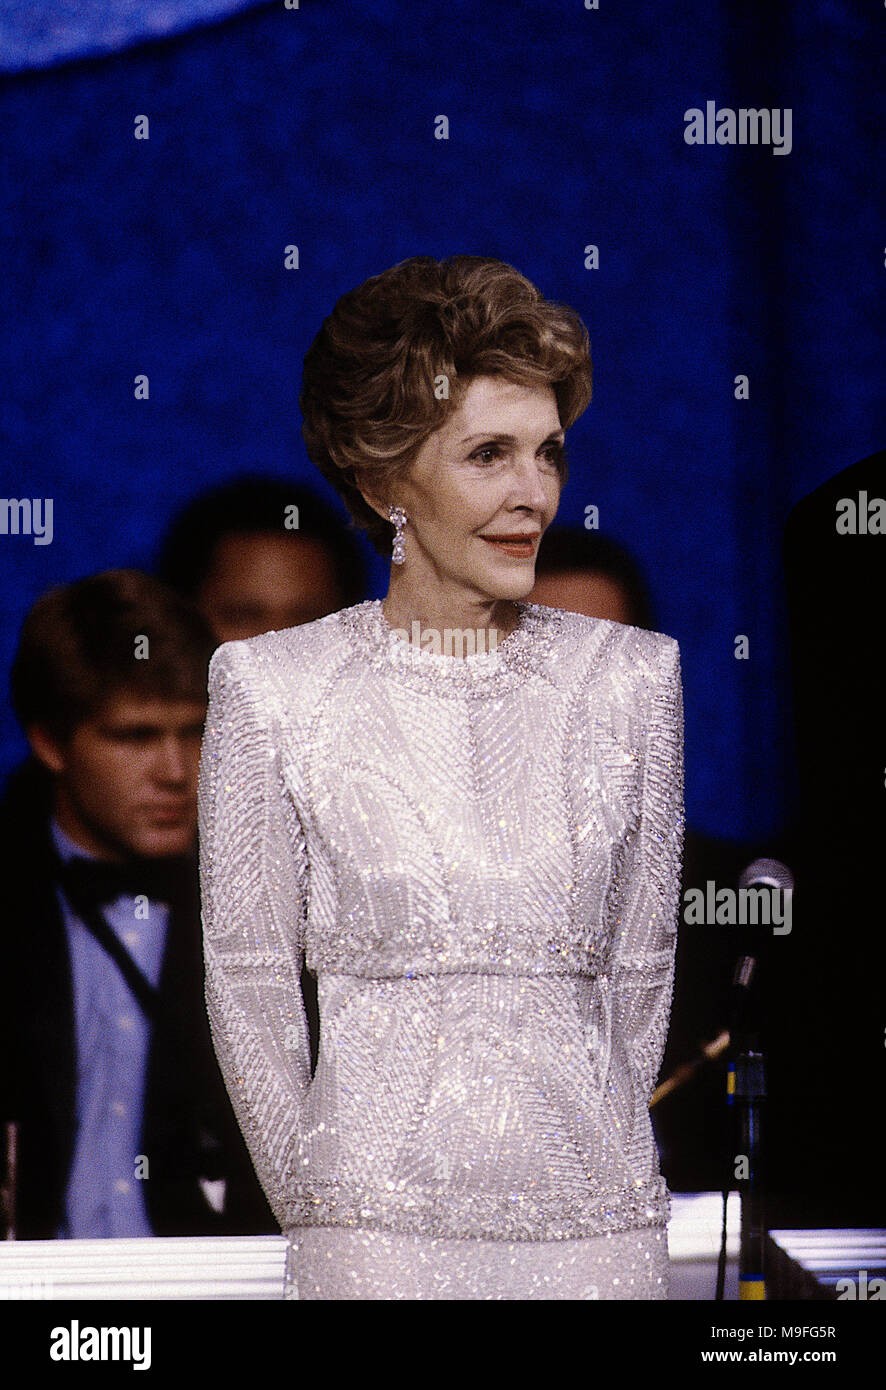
column 522, row 651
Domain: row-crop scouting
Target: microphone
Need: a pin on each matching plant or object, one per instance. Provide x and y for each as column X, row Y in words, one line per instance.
column 777, row 877
column 762, row 873
column 756, row 879
column 767, row 873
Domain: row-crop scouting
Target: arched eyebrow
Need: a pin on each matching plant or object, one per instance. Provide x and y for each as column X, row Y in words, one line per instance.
column 555, row 437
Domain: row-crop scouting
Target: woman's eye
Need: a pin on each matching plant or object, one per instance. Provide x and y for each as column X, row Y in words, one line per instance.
column 552, row 453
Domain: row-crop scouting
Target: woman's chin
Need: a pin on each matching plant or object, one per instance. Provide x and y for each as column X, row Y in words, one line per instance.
column 506, row 586
column 515, row 590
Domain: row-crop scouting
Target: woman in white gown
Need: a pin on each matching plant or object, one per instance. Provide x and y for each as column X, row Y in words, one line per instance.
column 465, row 812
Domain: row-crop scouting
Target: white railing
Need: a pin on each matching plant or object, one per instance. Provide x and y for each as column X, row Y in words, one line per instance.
column 251, row 1267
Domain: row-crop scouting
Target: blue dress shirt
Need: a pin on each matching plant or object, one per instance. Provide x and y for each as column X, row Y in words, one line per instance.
column 106, row 1192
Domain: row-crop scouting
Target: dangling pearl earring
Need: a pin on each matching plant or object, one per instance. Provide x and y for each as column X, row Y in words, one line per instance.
column 399, row 518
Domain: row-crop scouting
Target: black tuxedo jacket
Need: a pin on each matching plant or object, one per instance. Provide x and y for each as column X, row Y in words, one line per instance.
column 189, row 1131
column 829, row 1080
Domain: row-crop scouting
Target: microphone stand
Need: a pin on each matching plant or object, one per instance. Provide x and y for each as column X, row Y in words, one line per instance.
column 746, row 1091
column 10, row 1172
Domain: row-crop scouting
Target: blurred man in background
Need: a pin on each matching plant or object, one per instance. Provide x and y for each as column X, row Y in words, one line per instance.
column 258, row 555
column 585, row 572
column 111, row 1097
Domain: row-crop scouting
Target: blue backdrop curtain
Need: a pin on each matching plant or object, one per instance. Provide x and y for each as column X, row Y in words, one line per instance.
column 315, row 127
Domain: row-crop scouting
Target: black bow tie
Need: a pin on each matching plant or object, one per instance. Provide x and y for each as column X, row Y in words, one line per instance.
column 101, row 881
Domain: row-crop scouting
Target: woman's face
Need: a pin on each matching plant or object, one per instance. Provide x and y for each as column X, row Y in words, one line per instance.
column 490, row 471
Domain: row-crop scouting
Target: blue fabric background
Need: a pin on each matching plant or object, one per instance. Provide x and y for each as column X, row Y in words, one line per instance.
column 316, row 127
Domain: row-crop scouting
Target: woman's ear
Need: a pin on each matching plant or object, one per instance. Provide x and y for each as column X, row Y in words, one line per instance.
column 370, row 497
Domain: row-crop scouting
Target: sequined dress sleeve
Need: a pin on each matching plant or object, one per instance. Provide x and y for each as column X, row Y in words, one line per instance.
column 644, row 901
column 253, row 878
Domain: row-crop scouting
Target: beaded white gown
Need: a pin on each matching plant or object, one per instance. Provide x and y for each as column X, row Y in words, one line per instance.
column 479, row 858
